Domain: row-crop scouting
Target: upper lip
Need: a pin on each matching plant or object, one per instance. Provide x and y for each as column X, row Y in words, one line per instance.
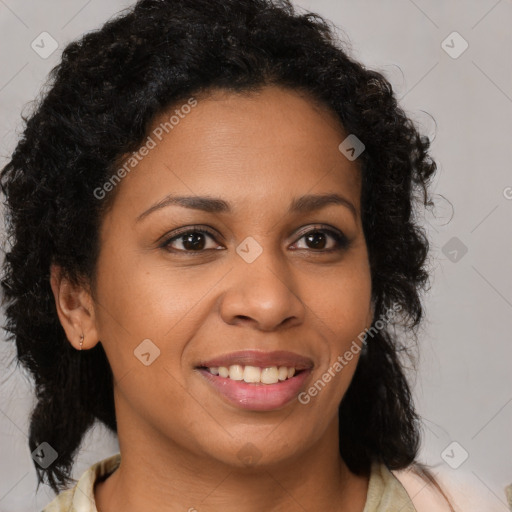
column 261, row 359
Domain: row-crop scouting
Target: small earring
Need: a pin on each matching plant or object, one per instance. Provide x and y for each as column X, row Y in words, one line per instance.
column 81, row 341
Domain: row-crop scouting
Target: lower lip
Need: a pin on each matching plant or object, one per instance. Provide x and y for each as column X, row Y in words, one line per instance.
column 257, row 396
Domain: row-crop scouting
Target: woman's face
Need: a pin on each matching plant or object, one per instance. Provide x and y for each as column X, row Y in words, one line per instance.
column 262, row 279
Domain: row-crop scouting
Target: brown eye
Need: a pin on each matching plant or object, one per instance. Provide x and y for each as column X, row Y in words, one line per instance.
column 192, row 240
column 195, row 240
column 318, row 239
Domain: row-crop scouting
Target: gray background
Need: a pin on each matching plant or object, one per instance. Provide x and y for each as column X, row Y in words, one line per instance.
column 463, row 389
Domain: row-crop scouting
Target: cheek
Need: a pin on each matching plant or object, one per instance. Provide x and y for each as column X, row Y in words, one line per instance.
column 343, row 311
column 343, row 302
column 146, row 298
column 147, row 309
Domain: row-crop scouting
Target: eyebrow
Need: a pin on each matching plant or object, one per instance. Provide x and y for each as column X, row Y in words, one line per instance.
column 303, row 204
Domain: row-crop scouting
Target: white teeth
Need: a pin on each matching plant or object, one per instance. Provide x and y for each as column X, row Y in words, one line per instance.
column 270, row 375
column 236, row 372
column 254, row 374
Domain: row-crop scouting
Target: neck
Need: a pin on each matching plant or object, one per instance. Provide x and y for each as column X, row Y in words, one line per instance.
column 157, row 475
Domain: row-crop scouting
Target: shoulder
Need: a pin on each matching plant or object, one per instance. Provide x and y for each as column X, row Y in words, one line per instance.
column 464, row 490
column 81, row 496
column 62, row 503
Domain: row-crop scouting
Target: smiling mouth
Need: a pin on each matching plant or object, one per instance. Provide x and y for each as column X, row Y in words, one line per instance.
column 254, row 374
column 259, row 389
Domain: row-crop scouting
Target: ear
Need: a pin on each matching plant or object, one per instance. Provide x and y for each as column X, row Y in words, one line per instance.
column 75, row 309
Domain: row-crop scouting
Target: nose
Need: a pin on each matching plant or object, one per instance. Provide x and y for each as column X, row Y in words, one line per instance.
column 264, row 293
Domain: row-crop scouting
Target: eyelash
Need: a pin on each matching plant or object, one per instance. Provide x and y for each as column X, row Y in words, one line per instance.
column 341, row 240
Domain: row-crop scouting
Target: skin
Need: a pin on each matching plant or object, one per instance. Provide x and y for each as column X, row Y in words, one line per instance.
column 258, row 152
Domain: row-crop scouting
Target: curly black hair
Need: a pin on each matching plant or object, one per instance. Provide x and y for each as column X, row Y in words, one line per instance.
column 99, row 103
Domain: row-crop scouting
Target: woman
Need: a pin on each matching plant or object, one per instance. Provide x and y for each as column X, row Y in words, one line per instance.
column 213, row 240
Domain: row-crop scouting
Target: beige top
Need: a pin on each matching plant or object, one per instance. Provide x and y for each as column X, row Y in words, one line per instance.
column 385, row 492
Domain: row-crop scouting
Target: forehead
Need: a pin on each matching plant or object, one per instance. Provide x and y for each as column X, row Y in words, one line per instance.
column 273, row 143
